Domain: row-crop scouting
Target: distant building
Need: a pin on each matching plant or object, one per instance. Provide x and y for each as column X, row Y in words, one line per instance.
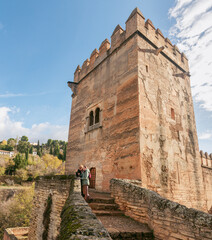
column 33, row 144
column 3, row 152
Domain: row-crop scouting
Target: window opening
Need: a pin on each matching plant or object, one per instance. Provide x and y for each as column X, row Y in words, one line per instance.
column 91, row 118
column 97, row 112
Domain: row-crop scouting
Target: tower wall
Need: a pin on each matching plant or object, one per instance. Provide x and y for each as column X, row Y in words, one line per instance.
column 112, row 145
column 147, row 126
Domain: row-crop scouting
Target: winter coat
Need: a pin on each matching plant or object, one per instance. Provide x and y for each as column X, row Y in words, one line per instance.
column 85, row 177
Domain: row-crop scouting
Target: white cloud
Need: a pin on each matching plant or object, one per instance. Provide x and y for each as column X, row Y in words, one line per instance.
column 193, row 31
column 42, row 131
column 8, row 95
column 205, row 136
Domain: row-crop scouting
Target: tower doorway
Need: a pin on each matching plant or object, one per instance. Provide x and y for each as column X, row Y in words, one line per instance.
column 93, row 177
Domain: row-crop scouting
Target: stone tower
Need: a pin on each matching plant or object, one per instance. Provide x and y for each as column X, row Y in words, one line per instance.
column 132, row 115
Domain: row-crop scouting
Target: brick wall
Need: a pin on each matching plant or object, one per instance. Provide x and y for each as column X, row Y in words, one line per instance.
column 168, row 219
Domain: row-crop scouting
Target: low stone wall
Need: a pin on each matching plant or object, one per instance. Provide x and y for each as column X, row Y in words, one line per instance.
column 16, row 233
column 51, row 193
column 59, row 209
column 207, row 180
column 78, row 221
column 168, row 219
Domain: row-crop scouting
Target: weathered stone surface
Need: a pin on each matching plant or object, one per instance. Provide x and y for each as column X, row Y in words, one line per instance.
column 141, row 86
column 58, row 188
column 168, row 219
column 60, row 212
column 78, row 221
column 19, row 233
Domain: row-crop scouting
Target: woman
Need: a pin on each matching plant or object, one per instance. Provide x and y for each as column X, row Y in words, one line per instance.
column 85, row 182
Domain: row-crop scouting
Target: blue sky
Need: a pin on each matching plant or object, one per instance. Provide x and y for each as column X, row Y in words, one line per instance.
column 42, row 42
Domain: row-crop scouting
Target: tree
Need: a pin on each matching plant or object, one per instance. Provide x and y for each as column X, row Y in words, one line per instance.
column 20, row 161
column 56, row 150
column 11, row 142
column 31, row 150
column 6, row 147
column 24, row 139
column 49, row 142
column 17, row 211
column 38, row 149
column 4, row 142
column 23, row 146
column 51, row 150
column 27, row 156
column 55, row 143
column 62, row 143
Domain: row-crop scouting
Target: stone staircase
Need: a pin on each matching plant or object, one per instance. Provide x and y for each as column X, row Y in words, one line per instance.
column 118, row 225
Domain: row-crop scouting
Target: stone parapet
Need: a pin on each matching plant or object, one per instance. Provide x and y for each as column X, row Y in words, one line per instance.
column 51, row 193
column 206, row 159
column 135, row 24
column 78, row 221
column 19, row 233
column 168, row 219
column 60, row 212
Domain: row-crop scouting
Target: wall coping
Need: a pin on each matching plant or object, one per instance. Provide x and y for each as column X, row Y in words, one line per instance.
column 154, row 200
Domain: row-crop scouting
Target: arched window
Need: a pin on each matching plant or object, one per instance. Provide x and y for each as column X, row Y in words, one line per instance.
column 97, row 112
column 91, row 118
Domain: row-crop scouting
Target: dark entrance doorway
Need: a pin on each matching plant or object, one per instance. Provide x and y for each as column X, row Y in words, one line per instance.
column 93, row 177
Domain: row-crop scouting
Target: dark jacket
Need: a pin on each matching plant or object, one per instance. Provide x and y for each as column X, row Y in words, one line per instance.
column 79, row 173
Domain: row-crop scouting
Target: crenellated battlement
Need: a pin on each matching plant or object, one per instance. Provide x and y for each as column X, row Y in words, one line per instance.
column 135, row 24
column 206, row 159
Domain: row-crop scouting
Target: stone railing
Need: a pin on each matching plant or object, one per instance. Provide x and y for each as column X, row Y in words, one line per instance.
column 168, row 219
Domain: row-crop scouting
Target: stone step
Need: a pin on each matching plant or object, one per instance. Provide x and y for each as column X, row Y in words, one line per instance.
column 123, row 227
column 101, row 200
column 131, row 235
column 108, row 212
column 103, row 206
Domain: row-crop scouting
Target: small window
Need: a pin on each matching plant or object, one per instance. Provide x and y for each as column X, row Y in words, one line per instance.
column 172, row 114
column 147, row 68
column 91, row 118
column 97, row 112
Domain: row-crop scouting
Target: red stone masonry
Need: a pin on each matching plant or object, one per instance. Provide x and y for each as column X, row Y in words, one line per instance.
column 147, row 131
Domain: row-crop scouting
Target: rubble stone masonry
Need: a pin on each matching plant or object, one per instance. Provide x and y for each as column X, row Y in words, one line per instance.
column 58, row 188
column 60, row 212
column 132, row 116
column 168, row 220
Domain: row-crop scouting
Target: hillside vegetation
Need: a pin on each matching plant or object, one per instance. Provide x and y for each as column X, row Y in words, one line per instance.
column 31, row 160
